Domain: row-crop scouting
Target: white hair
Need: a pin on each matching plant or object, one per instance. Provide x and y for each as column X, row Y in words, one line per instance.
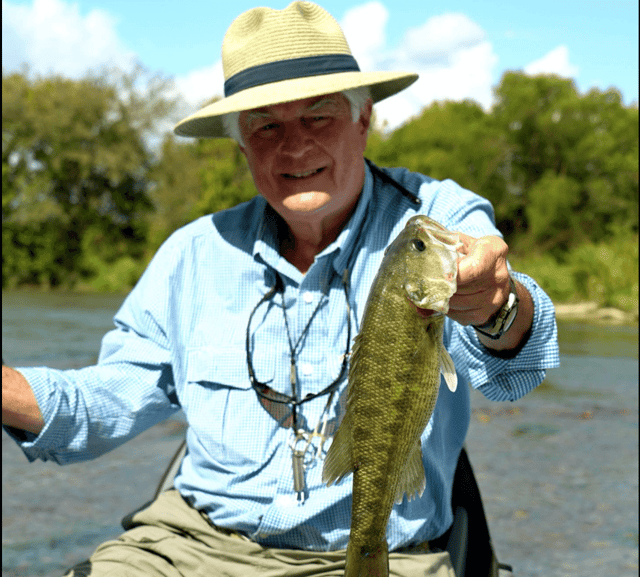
column 357, row 98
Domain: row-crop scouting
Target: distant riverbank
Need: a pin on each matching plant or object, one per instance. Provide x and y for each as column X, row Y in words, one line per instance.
column 591, row 312
column 588, row 311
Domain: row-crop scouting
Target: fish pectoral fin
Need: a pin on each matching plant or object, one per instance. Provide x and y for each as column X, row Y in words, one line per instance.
column 412, row 481
column 339, row 460
column 448, row 369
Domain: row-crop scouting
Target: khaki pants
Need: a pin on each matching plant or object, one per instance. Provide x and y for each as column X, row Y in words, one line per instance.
column 171, row 539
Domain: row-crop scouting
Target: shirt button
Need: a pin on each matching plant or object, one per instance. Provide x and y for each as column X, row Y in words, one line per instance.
column 307, row 369
column 307, row 297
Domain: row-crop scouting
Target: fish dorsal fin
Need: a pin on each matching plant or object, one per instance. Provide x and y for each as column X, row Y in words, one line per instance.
column 412, row 480
column 339, row 460
column 448, row 369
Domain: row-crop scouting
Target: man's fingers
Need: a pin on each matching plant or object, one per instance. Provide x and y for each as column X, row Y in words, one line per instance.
column 481, row 262
column 482, row 279
column 466, row 242
column 475, row 309
column 469, row 302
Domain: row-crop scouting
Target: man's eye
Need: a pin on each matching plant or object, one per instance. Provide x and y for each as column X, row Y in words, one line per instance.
column 318, row 120
column 266, row 130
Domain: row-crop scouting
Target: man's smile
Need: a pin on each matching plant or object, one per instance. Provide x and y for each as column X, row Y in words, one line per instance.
column 303, row 174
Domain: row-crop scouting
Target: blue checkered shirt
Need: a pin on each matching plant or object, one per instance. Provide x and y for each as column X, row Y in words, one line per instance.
column 179, row 342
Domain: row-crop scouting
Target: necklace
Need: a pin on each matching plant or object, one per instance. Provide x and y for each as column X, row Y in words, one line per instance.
column 277, row 404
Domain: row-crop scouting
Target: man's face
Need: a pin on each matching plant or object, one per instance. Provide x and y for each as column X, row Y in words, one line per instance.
column 306, row 157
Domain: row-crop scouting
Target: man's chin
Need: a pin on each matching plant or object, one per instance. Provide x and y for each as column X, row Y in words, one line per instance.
column 306, row 202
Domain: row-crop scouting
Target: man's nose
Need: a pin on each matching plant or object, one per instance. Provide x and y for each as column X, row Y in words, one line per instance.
column 296, row 140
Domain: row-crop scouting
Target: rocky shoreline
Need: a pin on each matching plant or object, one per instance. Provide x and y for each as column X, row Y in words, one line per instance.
column 591, row 312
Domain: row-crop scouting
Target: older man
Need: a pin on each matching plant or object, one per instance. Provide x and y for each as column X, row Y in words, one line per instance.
column 243, row 320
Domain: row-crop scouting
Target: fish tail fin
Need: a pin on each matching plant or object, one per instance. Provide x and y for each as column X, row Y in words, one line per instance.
column 369, row 562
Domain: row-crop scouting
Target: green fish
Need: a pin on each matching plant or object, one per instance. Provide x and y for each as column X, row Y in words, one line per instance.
column 394, row 378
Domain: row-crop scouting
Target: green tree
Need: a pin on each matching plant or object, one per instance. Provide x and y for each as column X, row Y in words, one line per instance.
column 588, row 142
column 448, row 140
column 551, row 212
column 175, row 187
column 74, row 170
column 560, row 168
column 456, row 140
column 226, row 178
column 195, row 179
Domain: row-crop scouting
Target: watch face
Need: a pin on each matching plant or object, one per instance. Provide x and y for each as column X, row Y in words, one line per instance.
column 505, row 316
column 512, row 305
column 510, row 318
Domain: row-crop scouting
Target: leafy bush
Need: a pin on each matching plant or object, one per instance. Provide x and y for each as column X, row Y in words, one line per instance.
column 605, row 273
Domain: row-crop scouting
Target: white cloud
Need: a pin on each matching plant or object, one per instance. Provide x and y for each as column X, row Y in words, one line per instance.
column 196, row 88
column 449, row 52
column 439, row 39
column 554, row 62
column 53, row 37
column 363, row 27
column 201, row 85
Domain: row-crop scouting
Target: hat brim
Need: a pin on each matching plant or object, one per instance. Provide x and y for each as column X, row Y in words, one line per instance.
column 207, row 122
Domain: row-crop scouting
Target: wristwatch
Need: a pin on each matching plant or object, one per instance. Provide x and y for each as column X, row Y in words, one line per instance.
column 502, row 320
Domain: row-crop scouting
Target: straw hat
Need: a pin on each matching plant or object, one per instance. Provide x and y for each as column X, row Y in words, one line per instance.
column 273, row 56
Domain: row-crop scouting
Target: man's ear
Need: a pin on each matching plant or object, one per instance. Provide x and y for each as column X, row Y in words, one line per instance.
column 365, row 115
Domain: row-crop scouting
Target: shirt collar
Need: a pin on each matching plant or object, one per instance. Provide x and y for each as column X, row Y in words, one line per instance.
column 266, row 247
column 347, row 242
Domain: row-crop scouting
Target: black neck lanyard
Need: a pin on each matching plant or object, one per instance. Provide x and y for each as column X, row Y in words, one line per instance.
column 265, row 393
column 384, row 177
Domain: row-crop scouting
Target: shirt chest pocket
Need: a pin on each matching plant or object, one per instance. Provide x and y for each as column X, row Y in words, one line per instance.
column 225, row 367
column 220, row 403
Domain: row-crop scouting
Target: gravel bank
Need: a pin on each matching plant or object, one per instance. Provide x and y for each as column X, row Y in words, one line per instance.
column 591, row 312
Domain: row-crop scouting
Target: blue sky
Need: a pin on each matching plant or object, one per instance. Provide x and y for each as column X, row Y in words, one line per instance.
column 461, row 48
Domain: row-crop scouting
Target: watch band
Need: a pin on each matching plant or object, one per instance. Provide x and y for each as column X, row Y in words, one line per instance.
column 502, row 320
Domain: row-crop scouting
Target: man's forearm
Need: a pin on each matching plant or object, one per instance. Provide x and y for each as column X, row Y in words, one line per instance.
column 19, row 406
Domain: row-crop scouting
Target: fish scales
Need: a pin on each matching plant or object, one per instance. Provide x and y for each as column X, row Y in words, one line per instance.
column 394, row 378
column 388, row 422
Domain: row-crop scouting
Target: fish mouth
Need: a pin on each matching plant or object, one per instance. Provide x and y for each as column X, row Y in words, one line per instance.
column 427, row 312
column 427, row 300
column 434, row 308
column 440, row 307
column 303, row 174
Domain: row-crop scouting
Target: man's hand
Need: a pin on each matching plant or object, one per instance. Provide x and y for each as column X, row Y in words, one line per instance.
column 483, row 280
column 483, row 287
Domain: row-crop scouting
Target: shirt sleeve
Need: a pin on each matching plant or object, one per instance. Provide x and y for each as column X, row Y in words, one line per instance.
column 509, row 379
column 88, row 412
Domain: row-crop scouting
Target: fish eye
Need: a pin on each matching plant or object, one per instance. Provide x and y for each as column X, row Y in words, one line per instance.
column 418, row 244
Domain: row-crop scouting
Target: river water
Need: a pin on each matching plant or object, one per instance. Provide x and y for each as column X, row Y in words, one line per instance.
column 558, row 470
